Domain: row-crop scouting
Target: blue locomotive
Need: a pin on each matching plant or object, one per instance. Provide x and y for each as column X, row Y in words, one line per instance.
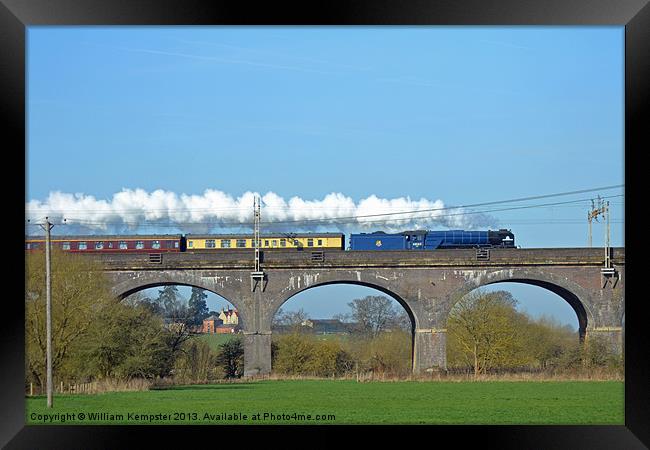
column 431, row 240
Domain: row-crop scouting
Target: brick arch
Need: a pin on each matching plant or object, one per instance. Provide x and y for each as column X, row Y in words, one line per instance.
column 576, row 296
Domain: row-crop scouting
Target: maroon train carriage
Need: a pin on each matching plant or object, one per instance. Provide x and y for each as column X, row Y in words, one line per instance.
column 110, row 244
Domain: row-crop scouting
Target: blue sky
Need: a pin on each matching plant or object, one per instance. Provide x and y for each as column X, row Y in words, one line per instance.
column 464, row 115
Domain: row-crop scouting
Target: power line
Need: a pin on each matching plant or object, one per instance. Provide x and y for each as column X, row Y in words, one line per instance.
column 348, row 219
column 380, row 217
column 111, row 210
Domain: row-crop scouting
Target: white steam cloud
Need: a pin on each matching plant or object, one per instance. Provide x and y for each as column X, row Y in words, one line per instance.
column 135, row 210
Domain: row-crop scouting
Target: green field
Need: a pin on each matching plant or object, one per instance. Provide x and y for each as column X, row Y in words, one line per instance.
column 406, row 402
column 215, row 340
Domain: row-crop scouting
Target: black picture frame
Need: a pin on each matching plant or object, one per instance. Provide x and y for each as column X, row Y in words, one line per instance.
column 634, row 15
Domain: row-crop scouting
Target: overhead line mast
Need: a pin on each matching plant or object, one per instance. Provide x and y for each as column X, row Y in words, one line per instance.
column 256, row 232
column 257, row 275
column 609, row 273
column 602, row 209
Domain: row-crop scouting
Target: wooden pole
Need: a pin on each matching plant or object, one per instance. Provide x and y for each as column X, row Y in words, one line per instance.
column 48, row 310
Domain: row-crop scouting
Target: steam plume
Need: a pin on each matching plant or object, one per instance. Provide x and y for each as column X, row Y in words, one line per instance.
column 135, row 210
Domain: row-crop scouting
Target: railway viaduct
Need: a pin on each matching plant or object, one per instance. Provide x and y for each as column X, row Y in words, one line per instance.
column 426, row 284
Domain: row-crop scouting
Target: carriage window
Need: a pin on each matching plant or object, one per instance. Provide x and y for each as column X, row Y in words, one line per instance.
column 155, row 244
column 266, row 243
column 310, row 242
column 225, row 243
column 83, row 246
column 110, row 245
column 320, row 242
column 175, row 244
column 65, row 246
column 210, row 243
column 99, row 245
column 139, row 244
column 283, row 242
column 190, row 244
column 296, row 243
column 274, row 243
column 241, row 243
column 123, row 245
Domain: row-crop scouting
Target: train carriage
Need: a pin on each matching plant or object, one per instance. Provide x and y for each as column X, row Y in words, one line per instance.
column 111, row 244
column 277, row 241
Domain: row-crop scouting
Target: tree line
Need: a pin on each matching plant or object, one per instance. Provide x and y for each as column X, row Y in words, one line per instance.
column 485, row 334
column 96, row 337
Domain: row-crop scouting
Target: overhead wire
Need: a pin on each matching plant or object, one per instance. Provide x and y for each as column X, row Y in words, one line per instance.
column 341, row 220
column 357, row 219
column 276, row 207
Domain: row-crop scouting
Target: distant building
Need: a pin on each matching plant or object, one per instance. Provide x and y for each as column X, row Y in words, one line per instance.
column 329, row 326
column 210, row 324
column 225, row 323
column 317, row 326
column 229, row 317
column 227, row 329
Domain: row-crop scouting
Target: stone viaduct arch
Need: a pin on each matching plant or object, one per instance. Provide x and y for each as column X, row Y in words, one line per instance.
column 277, row 305
column 405, row 304
column 426, row 288
column 156, row 279
column 572, row 293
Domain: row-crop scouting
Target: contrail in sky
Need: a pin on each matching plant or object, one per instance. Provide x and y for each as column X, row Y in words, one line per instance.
column 133, row 210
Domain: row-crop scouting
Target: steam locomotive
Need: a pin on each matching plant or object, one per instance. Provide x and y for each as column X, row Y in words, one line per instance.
column 432, row 240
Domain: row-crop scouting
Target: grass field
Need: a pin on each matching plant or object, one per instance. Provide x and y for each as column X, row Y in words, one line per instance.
column 407, row 402
column 215, row 340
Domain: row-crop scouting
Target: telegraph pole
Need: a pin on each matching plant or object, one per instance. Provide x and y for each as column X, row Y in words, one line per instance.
column 47, row 226
column 48, row 308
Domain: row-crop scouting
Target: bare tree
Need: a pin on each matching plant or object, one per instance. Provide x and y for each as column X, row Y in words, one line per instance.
column 373, row 314
column 484, row 328
column 293, row 320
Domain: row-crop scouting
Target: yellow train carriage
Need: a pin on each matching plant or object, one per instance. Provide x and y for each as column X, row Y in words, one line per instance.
column 286, row 241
